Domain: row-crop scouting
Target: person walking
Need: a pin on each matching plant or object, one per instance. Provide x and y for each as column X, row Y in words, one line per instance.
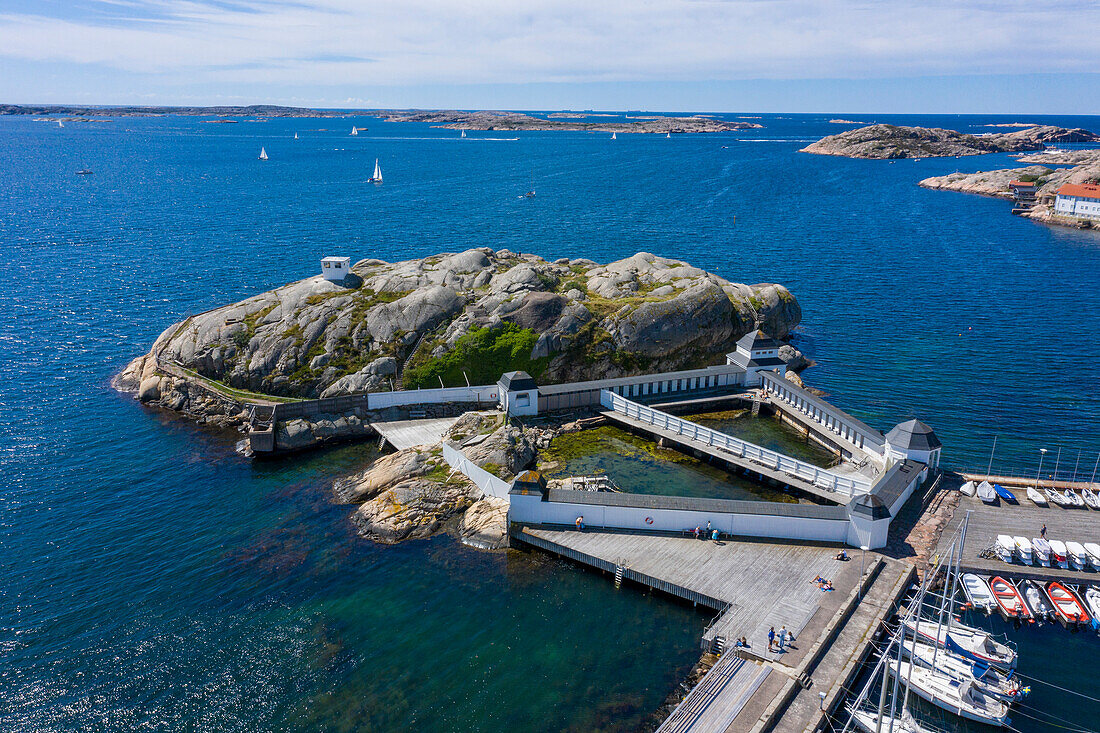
column 771, row 638
column 1043, row 532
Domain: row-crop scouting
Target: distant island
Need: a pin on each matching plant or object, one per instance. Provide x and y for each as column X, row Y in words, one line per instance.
column 449, row 119
column 883, row 142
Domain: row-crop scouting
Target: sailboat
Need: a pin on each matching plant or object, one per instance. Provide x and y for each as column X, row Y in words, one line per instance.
column 60, row 123
column 295, row 136
column 354, row 130
column 263, row 154
column 612, row 136
column 463, row 134
column 668, row 134
column 377, row 177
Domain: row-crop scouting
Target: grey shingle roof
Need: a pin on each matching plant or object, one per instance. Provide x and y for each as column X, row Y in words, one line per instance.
column 517, row 381
column 913, row 435
column 756, row 339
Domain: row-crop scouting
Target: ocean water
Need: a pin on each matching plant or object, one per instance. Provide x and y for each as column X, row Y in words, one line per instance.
column 150, row 578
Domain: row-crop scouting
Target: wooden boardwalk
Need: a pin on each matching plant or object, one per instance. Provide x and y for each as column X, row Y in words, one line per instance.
column 726, row 457
column 708, row 707
column 1023, row 482
column 402, row 434
column 1026, row 519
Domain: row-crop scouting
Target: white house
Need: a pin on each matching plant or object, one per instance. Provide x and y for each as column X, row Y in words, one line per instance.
column 757, row 352
column 914, row 440
column 1078, row 199
column 519, row 395
column 335, row 268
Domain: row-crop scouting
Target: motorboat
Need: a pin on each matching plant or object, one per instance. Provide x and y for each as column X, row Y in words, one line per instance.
column 1005, row 547
column 1073, row 498
column 965, row 640
column 1036, row 497
column 1058, row 554
column 377, row 177
column 1093, row 550
column 977, row 592
column 84, row 172
column 1090, row 498
column 993, row 681
column 968, row 488
column 1078, row 558
column 1068, row 609
column 986, row 492
column 1040, row 550
column 1005, row 494
column 1009, row 601
column 1092, row 600
column 964, row 698
column 1056, row 497
column 1023, row 549
column 1037, row 600
column 263, row 154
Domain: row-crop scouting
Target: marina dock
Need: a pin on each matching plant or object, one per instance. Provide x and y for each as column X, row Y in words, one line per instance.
column 754, row 586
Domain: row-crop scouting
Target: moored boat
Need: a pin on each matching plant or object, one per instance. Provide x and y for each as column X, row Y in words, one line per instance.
column 1040, row 550
column 1023, row 549
column 1005, row 547
column 977, row 592
column 968, row 488
column 1093, row 550
column 868, row 722
column 965, row 640
column 1037, row 600
column 1068, row 609
column 1058, row 555
column 1092, row 600
column 986, row 492
column 1009, row 601
column 1078, row 558
column 992, row 681
column 965, row 699
column 1036, row 497
column 1005, row 494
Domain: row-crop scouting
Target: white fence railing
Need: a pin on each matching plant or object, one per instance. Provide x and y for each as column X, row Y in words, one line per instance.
column 820, row 477
column 486, row 393
column 487, row 482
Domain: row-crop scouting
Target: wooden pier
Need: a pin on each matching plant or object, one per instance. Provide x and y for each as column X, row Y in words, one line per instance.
column 1022, row 482
column 755, row 586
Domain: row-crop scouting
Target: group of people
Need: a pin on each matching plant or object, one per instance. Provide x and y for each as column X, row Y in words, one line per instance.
column 712, row 533
column 824, row 585
column 782, row 639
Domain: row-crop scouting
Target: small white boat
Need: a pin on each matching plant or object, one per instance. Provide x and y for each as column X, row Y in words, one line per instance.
column 1005, row 547
column 986, row 492
column 965, row 640
column 1036, row 497
column 1091, row 498
column 1040, row 550
column 354, row 130
column 1073, row 498
column 990, row 680
column 977, row 592
column 965, row 699
column 1056, row 497
column 1092, row 600
column 1058, row 555
column 377, row 177
column 1078, row 558
column 1023, row 549
column 968, row 488
column 612, row 136
column 1038, row 601
column 263, row 154
column 1093, row 550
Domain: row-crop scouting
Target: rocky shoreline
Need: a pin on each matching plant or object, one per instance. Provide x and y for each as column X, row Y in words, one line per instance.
column 889, row 142
column 515, row 121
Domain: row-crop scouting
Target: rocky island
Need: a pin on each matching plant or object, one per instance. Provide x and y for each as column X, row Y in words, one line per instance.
column 881, row 142
column 513, row 121
column 444, row 319
column 1047, row 181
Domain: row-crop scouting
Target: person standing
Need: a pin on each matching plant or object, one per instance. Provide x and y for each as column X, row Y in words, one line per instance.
column 697, row 533
column 708, row 526
column 783, row 639
column 771, row 638
column 580, row 523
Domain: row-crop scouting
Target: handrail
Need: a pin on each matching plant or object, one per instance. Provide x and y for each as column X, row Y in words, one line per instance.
column 820, row 477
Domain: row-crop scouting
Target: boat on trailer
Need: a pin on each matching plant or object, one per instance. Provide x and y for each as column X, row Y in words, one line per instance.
column 1009, row 601
column 977, row 592
column 1068, row 608
column 1036, row 497
column 1040, row 550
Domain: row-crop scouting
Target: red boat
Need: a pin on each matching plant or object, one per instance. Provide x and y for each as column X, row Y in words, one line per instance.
column 1009, row 600
column 1067, row 607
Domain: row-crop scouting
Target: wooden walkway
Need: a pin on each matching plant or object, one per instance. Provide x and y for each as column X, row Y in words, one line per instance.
column 726, row 457
column 1023, row 482
column 402, row 434
column 708, row 708
column 1026, row 519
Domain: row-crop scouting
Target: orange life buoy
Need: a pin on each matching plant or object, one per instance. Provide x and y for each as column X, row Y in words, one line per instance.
column 649, row 520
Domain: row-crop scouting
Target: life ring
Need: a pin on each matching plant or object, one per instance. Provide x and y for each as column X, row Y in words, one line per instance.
column 649, row 520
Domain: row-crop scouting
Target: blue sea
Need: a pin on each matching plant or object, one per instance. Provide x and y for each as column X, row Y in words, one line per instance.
column 152, row 579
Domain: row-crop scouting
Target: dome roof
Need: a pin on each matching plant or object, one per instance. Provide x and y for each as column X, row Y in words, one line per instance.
column 913, row 435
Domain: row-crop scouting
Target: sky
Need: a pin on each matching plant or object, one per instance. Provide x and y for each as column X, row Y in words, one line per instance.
column 903, row 56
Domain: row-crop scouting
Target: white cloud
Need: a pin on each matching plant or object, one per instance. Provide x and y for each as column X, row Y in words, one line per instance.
column 398, row 42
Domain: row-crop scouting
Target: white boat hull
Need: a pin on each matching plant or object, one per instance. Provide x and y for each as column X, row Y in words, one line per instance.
column 949, row 694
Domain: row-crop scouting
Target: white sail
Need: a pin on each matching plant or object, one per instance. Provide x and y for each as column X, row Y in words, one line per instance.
column 354, row 130
column 463, row 133
column 263, row 154
column 60, row 123
column 295, row 136
column 668, row 134
column 612, row 136
column 377, row 177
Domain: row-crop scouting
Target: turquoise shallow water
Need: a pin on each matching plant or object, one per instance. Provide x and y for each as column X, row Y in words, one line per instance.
column 151, row 578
